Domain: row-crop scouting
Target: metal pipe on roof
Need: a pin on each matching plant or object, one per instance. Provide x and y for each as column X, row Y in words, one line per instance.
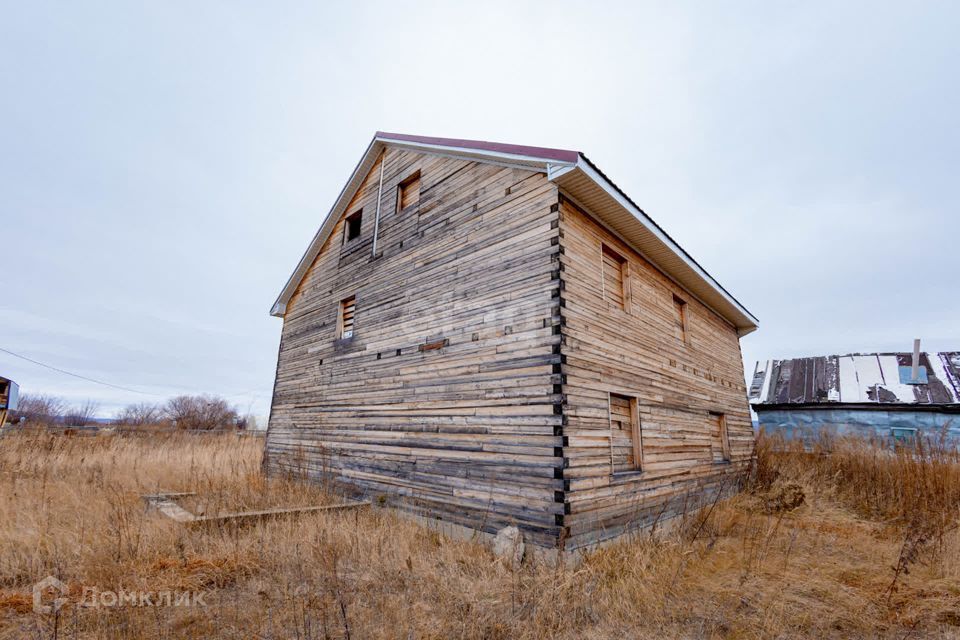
column 915, row 372
column 376, row 221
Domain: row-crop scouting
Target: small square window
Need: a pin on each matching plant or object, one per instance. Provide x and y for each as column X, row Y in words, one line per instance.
column 408, row 192
column 903, row 434
column 352, row 227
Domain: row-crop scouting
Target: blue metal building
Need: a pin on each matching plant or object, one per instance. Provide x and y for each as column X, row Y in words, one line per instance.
column 874, row 394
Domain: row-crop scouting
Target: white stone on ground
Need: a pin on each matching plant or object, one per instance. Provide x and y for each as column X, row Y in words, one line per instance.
column 508, row 546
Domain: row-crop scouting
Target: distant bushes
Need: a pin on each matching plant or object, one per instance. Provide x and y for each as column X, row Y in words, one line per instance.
column 47, row 410
column 196, row 413
column 189, row 412
column 40, row 409
column 140, row 414
column 200, row 412
column 81, row 415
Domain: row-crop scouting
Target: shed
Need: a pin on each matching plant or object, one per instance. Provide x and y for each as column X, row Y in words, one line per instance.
column 9, row 396
column 869, row 394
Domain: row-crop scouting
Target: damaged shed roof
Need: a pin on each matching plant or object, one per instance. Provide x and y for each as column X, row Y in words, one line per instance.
column 871, row 378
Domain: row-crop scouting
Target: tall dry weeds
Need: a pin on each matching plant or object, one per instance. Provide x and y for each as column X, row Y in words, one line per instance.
column 911, row 486
column 914, row 484
column 70, row 507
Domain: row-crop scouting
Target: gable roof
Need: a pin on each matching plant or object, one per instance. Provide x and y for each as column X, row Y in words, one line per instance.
column 857, row 378
column 578, row 179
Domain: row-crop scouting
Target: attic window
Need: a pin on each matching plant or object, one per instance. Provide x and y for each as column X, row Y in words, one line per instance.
column 680, row 319
column 408, row 193
column 348, row 307
column 613, row 270
column 352, row 227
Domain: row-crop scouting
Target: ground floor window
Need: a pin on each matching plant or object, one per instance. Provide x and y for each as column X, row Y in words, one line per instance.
column 720, row 439
column 626, row 453
column 903, row 434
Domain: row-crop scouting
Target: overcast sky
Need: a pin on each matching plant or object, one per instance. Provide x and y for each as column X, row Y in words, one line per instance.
column 163, row 165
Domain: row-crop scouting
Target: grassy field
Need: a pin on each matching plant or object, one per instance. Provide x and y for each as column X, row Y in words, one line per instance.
column 872, row 550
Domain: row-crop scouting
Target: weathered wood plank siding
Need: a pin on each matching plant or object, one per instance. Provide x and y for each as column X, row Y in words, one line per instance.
column 639, row 351
column 510, row 361
column 447, row 395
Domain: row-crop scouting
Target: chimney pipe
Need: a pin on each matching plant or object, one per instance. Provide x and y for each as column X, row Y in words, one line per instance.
column 915, row 373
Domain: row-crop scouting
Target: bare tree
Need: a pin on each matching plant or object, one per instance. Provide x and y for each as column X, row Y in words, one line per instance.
column 140, row 414
column 200, row 412
column 40, row 409
column 81, row 415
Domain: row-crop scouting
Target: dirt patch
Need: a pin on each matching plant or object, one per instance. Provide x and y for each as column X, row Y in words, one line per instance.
column 784, row 497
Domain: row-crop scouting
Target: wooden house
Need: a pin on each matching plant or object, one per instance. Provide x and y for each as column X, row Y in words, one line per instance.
column 9, row 395
column 491, row 334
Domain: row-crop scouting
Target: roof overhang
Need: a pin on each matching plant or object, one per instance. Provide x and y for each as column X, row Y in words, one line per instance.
column 579, row 180
column 320, row 237
column 589, row 188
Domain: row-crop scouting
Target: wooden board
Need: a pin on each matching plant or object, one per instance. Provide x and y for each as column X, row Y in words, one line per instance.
column 166, row 504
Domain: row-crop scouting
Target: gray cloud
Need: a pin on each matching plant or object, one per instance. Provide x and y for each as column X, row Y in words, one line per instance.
column 165, row 164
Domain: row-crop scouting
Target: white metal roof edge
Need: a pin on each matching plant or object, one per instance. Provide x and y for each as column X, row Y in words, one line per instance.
column 553, row 168
column 373, row 149
column 280, row 305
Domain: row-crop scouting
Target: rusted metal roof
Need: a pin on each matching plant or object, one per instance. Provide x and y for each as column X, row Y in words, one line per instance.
column 871, row 378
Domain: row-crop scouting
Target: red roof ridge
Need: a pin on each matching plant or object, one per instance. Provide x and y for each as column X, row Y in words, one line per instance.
column 559, row 155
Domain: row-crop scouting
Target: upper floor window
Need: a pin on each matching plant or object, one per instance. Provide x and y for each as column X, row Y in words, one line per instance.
column 613, row 270
column 680, row 319
column 408, row 192
column 348, row 308
column 352, row 226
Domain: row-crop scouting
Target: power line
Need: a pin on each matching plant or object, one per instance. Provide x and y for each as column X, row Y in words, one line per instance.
column 253, row 392
column 77, row 375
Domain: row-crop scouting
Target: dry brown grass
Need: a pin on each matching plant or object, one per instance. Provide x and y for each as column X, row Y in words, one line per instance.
column 69, row 506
